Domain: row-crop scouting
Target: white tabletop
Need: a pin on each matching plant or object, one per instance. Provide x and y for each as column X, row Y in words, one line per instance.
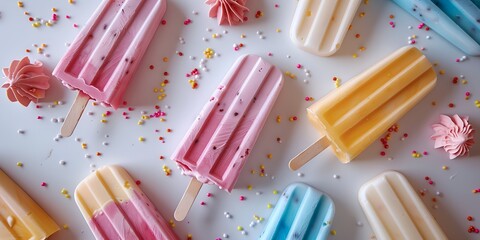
column 118, row 139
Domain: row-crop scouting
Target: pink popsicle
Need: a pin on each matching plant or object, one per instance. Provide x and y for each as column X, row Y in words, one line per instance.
column 105, row 55
column 217, row 145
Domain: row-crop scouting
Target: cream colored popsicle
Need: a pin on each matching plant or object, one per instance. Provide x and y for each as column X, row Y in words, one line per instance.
column 395, row 211
column 353, row 116
column 319, row 26
column 116, row 208
column 20, row 216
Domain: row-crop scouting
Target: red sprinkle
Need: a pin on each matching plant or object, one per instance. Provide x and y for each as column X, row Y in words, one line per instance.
column 138, row 182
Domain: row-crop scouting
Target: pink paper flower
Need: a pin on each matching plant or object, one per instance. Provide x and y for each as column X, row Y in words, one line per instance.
column 230, row 12
column 453, row 134
column 26, row 82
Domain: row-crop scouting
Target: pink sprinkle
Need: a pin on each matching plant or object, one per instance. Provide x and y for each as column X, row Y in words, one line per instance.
column 203, row 203
column 209, row 195
column 467, row 93
column 164, row 21
column 413, row 41
column 425, row 153
column 430, row 182
column 130, row 109
column 276, row 5
column 75, row 25
column 299, row 66
column 242, row 198
column 186, row 22
column 54, row 17
column 43, row 184
column 236, row 48
column 108, row 113
column 270, row 54
column 457, row 60
column 67, row 16
column 39, row 117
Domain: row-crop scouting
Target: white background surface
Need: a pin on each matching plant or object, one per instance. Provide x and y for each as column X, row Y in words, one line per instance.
column 41, row 154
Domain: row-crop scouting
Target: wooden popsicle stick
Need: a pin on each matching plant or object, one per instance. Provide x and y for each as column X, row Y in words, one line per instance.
column 74, row 114
column 306, row 155
column 187, row 199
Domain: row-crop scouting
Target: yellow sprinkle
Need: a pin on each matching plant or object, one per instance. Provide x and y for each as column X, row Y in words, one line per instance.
column 308, row 13
column 155, row 90
column 140, row 122
column 126, row 184
column 66, row 195
column 19, row 164
column 48, row 24
column 240, row 228
column 243, row 36
column 84, row 145
column 333, row 232
column 172, row 223
column 162, row 120
column 354, row 55
column 64, row 191
column 141, row 139
column 94, row 103
column 362, row 14
column 104, row 115
column 362, row 48
column 71, row 1
column 65, row 226
column 275, row 192
column 279, row 119
column 464, row 81
column 103, row 121
column 249, row 187
column 160, row 97
column 269, row 205
column 54, row 10
column 441, row 72
column 44, row 45
column 444, row 167
column 278, row 30
column 20, row 4
column 165, row 59
column 269, row 156
column 36, row 24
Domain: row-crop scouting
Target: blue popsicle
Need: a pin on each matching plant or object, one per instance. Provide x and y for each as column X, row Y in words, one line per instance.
column 302, row 212
column 458, row 21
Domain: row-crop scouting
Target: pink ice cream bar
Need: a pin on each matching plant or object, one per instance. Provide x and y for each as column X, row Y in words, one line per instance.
column 105, row 55
column 217, row 145
column 116, row 208
column 221, row 138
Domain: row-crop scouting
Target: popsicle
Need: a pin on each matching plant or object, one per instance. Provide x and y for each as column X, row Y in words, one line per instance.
column 20, row 216
column 319, row 26
column 116, row 208
column 457, row 21
column 395, row 211
column 221, row 138
column 302, row 212
column 105, row 55
column 353, row 116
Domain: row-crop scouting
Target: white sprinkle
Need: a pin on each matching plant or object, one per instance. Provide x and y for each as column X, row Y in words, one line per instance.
column 194, row 12
column 105, row 143
column 225, row 235
column 225, row 32
column 143, row 112
column 244, row 232
column 78, row 139
column 359, row 224
column 56, row 139
column 92, row 165
column 61, row 120
column 438, row 193
column 54, row 120
column 192, row 58
column 20, row 131
column 307, row 74
column 46, row 55
column 88, row 156
column 205, row 69
column 205, row 39
column 252, row 224
column 62, row 162
column 453, row 176
column 259, row 33
column 288, row 56
column 389, row 158
column 208, row 30
column 262, row 37
column 258, row 193
column 462, row 76
column 410, row 27
column 336, row 176
column 300, row 174
column 428, row 37
column 10, row 221
column 435, row 206
column 305, row 81
column 67, row 44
